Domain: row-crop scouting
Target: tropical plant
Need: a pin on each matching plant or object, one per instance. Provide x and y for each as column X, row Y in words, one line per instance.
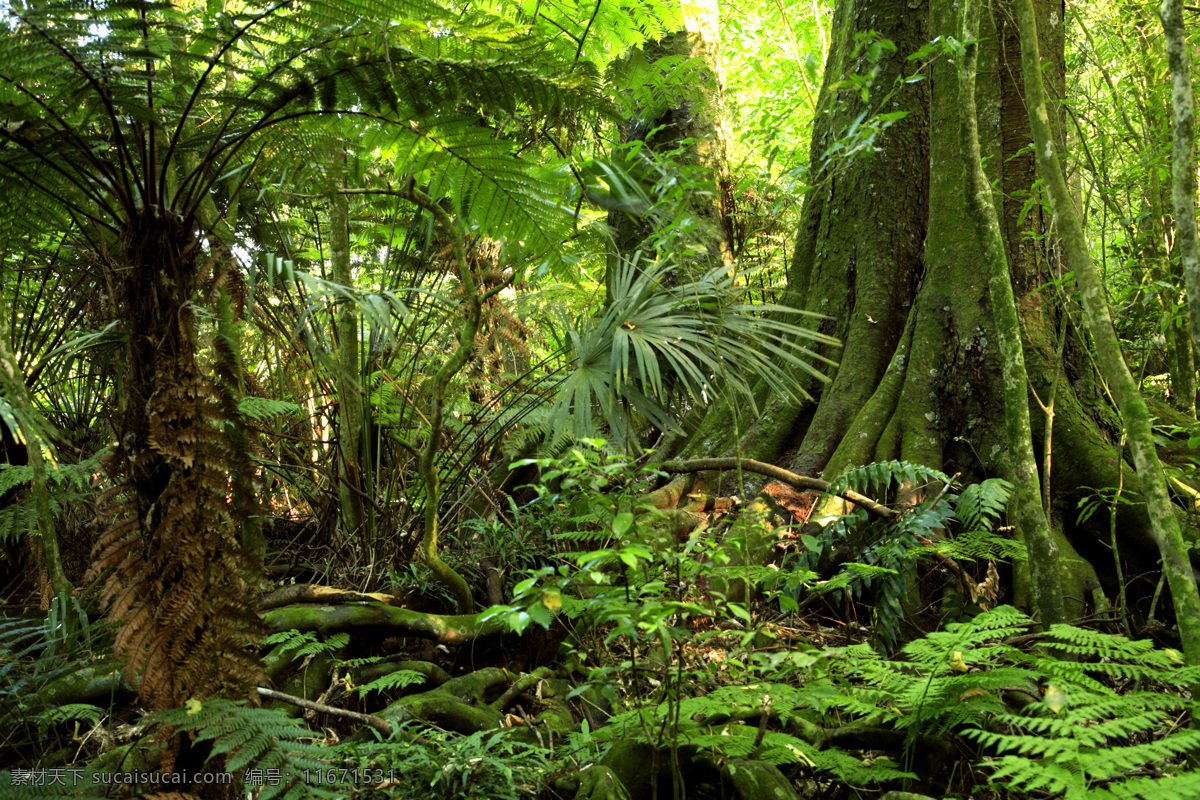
column 658, row 341
column 139, row 126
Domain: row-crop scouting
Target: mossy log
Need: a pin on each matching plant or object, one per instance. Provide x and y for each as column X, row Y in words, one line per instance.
column 756, row 780
column 444, row 629
column 97, row 684
column 458, row 705
column 435, row 676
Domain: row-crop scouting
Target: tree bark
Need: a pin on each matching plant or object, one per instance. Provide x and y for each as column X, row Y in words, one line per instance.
column 690, row 132
column 1183, row 159
column 1026, row 505
column 885, row 250
column 1175, row 562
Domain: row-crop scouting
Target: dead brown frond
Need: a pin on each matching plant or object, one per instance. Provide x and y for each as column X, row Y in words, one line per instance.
column 176, row 576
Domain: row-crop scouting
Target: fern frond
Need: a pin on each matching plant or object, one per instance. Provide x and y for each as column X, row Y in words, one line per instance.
column 878, row 476
column 258, row 737
column 981, row 504
column 399, row 679
column 260, row 408
column 979, row 545
column 305, row 644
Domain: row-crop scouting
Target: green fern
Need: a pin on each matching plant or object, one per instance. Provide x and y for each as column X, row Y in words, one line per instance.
column 305, row 644
column 70, row 486
column 981, row 504
column 263, row 407
column 878, row 477
column 1079, row 737
column 978, row 545
column 399, row 679
column 256, row 738
column 703, row 722
column 1076, row 747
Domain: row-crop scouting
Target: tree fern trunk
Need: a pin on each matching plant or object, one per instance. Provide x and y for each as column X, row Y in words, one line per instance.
column 347, row 378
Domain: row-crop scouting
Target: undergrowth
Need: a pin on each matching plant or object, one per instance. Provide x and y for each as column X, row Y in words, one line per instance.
column 688, row 666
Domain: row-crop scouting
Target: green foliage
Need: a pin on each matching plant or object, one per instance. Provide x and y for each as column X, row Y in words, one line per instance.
column 1096, row 499
column 305, row 644
column 1070, row 731
column 253, row 738
column 694, row 727
column 399, row 679
column 978, row 509
column 878, row 477
column 265, row 407
column 655, row 340
column 35, row 655
column 481, row 766
column 885, row 553
column 70, row 486
column 512, row 547
column 1051, row 715
column 1083, row 738
column 981, row 504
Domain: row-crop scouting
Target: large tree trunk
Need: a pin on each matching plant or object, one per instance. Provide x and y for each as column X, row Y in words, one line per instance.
column 886, row 250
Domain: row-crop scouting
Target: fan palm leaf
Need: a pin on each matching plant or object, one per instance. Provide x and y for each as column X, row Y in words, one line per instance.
column 655, row 340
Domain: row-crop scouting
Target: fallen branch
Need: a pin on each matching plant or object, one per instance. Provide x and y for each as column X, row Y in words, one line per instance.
column 316, row 593
column 379, row 724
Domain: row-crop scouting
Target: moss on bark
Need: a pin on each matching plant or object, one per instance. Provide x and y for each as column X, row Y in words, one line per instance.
column 929, row 391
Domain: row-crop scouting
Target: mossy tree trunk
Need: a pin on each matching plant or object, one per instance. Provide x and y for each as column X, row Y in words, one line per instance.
column 1026, row 508
column 687, row 129
column 858, row 251
column 885, row 250
column 1133, row 408
column 1183, row 172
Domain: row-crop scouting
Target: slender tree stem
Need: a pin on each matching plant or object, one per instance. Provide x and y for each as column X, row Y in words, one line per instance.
column 354, row 521
column 1176, row 567
column 1183, row 159
column 441, row 380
